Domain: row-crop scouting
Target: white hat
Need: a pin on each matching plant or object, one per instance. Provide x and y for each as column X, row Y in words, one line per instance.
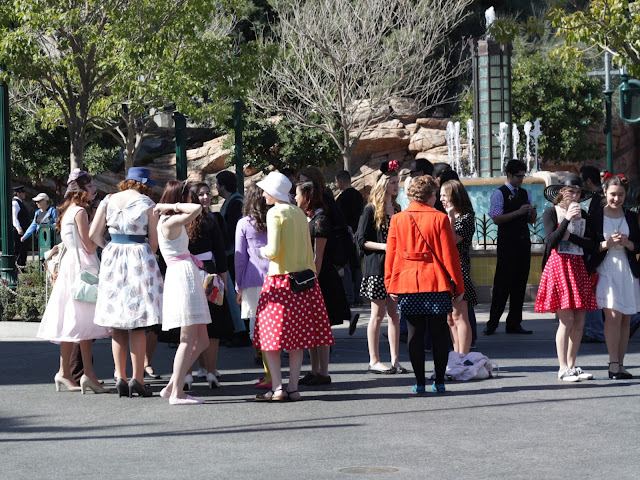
column 41, row 196
column 276, row 185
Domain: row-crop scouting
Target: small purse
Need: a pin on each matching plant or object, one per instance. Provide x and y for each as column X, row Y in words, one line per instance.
column 300, row 281
column 213, row 287
column 85, row 288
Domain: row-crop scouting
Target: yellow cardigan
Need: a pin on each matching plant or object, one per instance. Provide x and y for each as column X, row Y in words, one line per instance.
column 288, row 240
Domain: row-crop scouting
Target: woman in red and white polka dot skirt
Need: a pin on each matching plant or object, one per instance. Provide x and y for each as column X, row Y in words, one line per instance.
column 287, row 320
column 565, row 287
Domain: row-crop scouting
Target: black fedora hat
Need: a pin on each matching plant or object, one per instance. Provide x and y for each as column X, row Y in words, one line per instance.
column 569, row 180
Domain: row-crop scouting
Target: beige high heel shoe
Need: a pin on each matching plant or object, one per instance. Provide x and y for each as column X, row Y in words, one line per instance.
column 87, row 383
column 59, row 380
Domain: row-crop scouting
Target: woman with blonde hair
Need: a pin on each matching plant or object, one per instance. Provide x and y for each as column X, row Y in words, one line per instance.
column 66, row 320
column 422, row 271
column 457, row 205
column 131, row 286
column 371, row 240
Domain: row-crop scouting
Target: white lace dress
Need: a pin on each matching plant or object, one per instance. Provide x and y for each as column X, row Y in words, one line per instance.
column 186, row 304
column 130, row 288
column 617, row 288
column 66, row 319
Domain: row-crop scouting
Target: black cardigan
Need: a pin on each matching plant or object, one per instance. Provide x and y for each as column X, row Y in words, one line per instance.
column 367, row 232
column 554, row 233
column 596, row 259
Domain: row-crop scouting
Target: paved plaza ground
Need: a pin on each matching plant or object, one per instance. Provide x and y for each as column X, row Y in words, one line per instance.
column 521, row 424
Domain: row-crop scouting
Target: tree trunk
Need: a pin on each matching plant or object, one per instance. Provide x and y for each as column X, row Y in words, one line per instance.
column 76, row 157
column 346, row 160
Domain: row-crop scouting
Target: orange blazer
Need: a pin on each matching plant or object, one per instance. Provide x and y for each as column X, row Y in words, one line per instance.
column 409, row 265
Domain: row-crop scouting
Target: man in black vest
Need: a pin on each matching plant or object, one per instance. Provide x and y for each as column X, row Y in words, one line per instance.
column 21, row 221
column 511, row 211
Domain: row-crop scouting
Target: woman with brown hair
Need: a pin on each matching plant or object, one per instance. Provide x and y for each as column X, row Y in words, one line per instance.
column 207, row 245
column 371, row 239
column 422, row 271
column 187, row 308
column 65, row 320
column 457, row 204
column 565, row 288
column 309, row 199
column 131, row 286
column 618, row 289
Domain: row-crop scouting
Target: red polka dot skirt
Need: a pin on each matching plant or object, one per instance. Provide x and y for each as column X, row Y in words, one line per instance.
column 565, row 285
column 288, row 320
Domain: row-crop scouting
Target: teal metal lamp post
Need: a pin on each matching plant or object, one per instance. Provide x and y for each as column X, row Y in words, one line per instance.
column 8, row 269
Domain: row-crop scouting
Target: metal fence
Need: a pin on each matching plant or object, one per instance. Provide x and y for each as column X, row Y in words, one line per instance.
column 486, row 235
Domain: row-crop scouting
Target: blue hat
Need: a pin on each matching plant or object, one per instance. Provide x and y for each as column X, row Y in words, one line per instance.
column 140, row 174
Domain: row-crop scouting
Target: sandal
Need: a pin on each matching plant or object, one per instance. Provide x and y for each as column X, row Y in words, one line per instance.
column 296, row 396
column 271, row 396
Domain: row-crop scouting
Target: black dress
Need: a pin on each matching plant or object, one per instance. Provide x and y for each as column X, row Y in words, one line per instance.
column 465, row 226
column 211, row 240
column 330, row 283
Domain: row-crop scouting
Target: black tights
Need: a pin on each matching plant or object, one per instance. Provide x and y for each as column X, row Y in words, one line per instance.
column 439, row 332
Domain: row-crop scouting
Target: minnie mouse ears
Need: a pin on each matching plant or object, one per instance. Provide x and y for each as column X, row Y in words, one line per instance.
column 390, row 166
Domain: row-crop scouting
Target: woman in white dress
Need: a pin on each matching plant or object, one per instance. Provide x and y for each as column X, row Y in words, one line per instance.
column 618, row 289
column 67, row 321
column 187, row 306
column 130, row 287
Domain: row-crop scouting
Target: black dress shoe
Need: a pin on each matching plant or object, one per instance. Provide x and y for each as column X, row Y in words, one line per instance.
column 489, row 330
column 519, row 330
column 353, row 323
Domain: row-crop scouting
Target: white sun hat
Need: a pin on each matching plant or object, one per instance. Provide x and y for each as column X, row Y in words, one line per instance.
column 276, row 185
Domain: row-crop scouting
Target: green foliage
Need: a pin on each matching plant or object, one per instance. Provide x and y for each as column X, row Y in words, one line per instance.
column 565, row 99
column 90, row 58
column 29, row 300
column 282, row 143
column 40, row 153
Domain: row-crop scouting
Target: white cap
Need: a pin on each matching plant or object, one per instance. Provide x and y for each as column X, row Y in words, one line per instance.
column 41, row 196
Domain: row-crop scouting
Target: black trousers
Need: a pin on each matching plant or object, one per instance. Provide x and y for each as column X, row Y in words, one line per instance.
column 510, row 282
column 21, row 249
column 439, row 332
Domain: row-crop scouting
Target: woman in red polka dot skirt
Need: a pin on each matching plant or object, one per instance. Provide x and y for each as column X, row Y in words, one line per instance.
column 565, row 287
column 287, row 320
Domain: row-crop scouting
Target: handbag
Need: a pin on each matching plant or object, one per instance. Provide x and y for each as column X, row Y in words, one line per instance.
column 300, row 281
column 85, row 288
column 213, row 287
column 453, row 284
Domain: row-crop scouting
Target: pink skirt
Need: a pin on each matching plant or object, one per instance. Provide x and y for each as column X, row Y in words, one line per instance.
column 288, row 320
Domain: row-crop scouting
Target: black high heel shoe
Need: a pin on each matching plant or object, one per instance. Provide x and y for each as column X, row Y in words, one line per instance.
column 142, row 390
column 624, row 375
column 122, row 388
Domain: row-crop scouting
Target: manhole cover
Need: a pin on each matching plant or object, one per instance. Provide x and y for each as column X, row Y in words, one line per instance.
column 368, row 470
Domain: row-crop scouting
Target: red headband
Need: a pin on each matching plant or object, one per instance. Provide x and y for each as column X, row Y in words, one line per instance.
column 609, row 175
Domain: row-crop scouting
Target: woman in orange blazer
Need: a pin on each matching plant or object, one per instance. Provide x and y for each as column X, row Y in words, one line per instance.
column 421, row 264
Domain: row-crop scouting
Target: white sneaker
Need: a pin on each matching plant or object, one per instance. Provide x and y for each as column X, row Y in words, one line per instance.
column 202, row 373
column 582, row 375
column 568, row 375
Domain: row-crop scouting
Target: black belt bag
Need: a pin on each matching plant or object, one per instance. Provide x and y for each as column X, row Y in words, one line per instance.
column 300, row 281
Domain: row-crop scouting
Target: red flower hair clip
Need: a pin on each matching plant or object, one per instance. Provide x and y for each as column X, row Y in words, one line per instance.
column 393, row 165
